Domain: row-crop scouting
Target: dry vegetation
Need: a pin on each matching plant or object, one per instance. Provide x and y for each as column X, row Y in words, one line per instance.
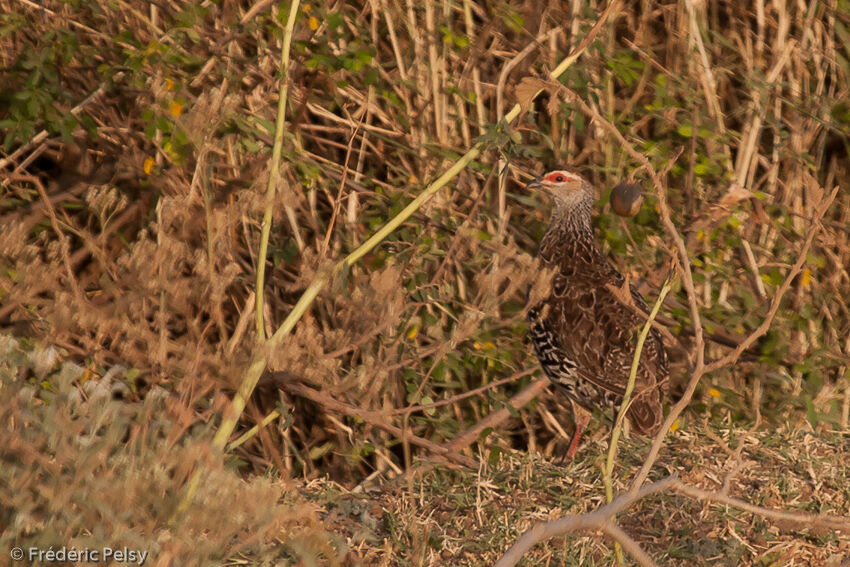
column 136, row 145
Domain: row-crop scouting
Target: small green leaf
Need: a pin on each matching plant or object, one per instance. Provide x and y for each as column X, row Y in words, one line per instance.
column 495, row 454
column 321, row 450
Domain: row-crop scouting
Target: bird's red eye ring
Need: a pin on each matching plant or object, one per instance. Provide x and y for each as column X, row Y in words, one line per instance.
column 556, row 177
column 559, row 178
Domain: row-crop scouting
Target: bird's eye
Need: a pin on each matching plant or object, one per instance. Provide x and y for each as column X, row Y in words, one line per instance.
column 559, row 178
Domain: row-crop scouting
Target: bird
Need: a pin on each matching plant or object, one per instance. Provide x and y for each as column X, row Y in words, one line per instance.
column 582, row 334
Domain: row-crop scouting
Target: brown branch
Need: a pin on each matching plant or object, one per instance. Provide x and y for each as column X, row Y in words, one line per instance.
column 701, row 368
column 63, row 240
column 516, row 60
column 467, row 394
column 375, row 419
column 837, row 523
column 629, row 545
column 469, row 436
column 596, row 520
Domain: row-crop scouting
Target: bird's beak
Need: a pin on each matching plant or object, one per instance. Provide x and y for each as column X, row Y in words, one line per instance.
column 535, row 183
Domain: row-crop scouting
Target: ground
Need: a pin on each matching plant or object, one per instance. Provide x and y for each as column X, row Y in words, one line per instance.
column 433, row 516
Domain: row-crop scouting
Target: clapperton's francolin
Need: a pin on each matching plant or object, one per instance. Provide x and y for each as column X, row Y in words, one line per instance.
column 582, row 333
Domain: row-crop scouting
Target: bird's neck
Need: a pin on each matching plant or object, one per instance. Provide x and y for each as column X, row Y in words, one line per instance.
column 574, row 218
column 570, row 235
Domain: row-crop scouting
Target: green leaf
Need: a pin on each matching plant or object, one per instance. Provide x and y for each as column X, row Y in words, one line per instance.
column 427, row 400
column 334, row 20
column 494, row 455
column 321, row 450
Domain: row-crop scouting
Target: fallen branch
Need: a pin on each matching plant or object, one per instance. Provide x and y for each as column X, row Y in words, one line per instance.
column 467, row 394
column 598, row 520
column 375, row 419
column 469, row 436
column 837, row 523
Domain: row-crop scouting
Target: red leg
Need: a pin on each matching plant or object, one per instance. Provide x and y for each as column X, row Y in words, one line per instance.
column 581, row 417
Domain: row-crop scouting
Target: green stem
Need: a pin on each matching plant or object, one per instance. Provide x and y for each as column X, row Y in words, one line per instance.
column 621, row 415
column 274, row 173
column 608, row 471
column 273, row 415
column 238, row 403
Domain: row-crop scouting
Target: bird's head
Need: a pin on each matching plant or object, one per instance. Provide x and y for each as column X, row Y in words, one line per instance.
column 569, row 190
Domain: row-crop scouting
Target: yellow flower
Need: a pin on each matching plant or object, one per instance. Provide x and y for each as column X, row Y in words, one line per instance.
column 313, row 22
column 169, row 84
column 148, row 165
column 807, row 277
column 413, row 333
column 676, row 424
column 307, row 8
column 175, row 108
column 714, row 393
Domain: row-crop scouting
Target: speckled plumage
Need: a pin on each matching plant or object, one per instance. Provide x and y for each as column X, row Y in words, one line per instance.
column 584, row 337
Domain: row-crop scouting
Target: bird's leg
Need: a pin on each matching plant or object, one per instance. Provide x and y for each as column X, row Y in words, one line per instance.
column 581, row 417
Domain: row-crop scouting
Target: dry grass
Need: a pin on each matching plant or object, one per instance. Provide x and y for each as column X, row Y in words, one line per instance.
column 134, row 157
column 469, row 517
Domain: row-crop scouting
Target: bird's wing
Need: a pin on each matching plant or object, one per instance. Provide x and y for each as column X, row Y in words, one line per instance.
column 595, row 330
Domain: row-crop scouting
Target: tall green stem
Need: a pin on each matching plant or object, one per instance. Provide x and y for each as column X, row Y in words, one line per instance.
column 274, row 172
